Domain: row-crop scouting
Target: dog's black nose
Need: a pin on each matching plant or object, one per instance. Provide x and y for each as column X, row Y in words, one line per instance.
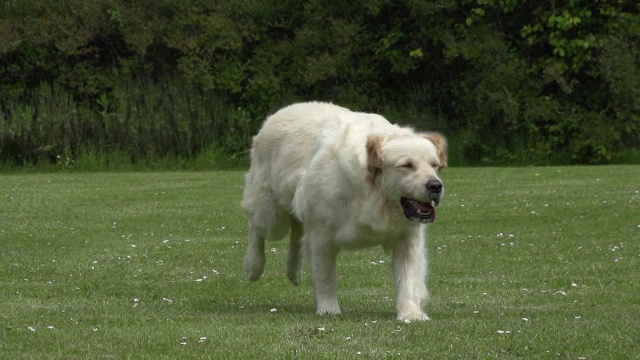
column 434, row 186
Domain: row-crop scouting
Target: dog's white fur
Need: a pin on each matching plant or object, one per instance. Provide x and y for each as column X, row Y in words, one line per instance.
column 333, row 178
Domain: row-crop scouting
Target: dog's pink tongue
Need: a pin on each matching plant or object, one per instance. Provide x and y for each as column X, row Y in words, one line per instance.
column 418, row 210
column 425, row 210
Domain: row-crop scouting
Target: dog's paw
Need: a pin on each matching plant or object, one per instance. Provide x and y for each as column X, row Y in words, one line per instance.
column 328, row 311
column 254, row 266
column 295, row 277
column 416, row 316
column 252, row 275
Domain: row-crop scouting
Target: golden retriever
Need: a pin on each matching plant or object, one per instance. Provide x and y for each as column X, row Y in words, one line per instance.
column 337, row 179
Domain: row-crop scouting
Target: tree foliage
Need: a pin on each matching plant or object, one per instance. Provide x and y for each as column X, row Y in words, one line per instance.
column 510, row 81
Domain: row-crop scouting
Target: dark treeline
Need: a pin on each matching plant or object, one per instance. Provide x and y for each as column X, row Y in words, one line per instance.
column 509, row 81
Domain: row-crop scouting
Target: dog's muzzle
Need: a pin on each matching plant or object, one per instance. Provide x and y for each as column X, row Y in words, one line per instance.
column 434, row 191
column 421, row 211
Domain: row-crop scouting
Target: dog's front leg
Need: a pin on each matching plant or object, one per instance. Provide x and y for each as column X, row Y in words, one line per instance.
column 410, row 273
column 323, row 269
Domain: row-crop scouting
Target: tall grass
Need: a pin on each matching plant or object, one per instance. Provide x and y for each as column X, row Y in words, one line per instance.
column 171, row 124
column 138, row 124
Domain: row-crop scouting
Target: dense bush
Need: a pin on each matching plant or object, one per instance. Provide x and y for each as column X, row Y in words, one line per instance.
column 509, row 81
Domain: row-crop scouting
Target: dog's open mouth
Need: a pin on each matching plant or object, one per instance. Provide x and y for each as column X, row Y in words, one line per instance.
column 418, row 210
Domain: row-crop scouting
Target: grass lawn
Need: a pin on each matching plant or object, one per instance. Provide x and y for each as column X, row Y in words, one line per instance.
column 532, row 263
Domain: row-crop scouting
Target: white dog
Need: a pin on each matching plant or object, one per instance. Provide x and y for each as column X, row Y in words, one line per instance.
column 337, row 179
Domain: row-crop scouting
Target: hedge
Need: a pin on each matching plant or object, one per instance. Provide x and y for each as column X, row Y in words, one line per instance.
column 509, row 81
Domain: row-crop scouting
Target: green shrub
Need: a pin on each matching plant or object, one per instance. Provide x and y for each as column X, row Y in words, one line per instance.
column 510, row 82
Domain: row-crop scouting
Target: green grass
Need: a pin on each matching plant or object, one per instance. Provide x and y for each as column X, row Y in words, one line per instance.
column 532, row 263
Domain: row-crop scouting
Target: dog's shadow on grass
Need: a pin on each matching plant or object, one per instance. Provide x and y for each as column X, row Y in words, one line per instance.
column 302, row 308
column 276, row 297
column 246, row 298
column 288, row 306
column 297, row 310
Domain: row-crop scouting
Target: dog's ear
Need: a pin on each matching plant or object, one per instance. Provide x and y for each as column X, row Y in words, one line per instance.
column 441, row 145
column 374, row 157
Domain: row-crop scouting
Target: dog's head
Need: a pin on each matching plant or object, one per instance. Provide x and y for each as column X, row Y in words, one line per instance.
column 406, row 169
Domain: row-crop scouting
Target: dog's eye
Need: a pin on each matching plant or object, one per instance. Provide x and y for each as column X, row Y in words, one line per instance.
column 407, row 165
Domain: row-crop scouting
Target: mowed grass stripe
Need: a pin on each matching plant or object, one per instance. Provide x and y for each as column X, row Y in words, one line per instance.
column 524, row 263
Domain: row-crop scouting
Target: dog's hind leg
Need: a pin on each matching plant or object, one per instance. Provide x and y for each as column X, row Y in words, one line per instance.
column 254, row 260
column 295, row 256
